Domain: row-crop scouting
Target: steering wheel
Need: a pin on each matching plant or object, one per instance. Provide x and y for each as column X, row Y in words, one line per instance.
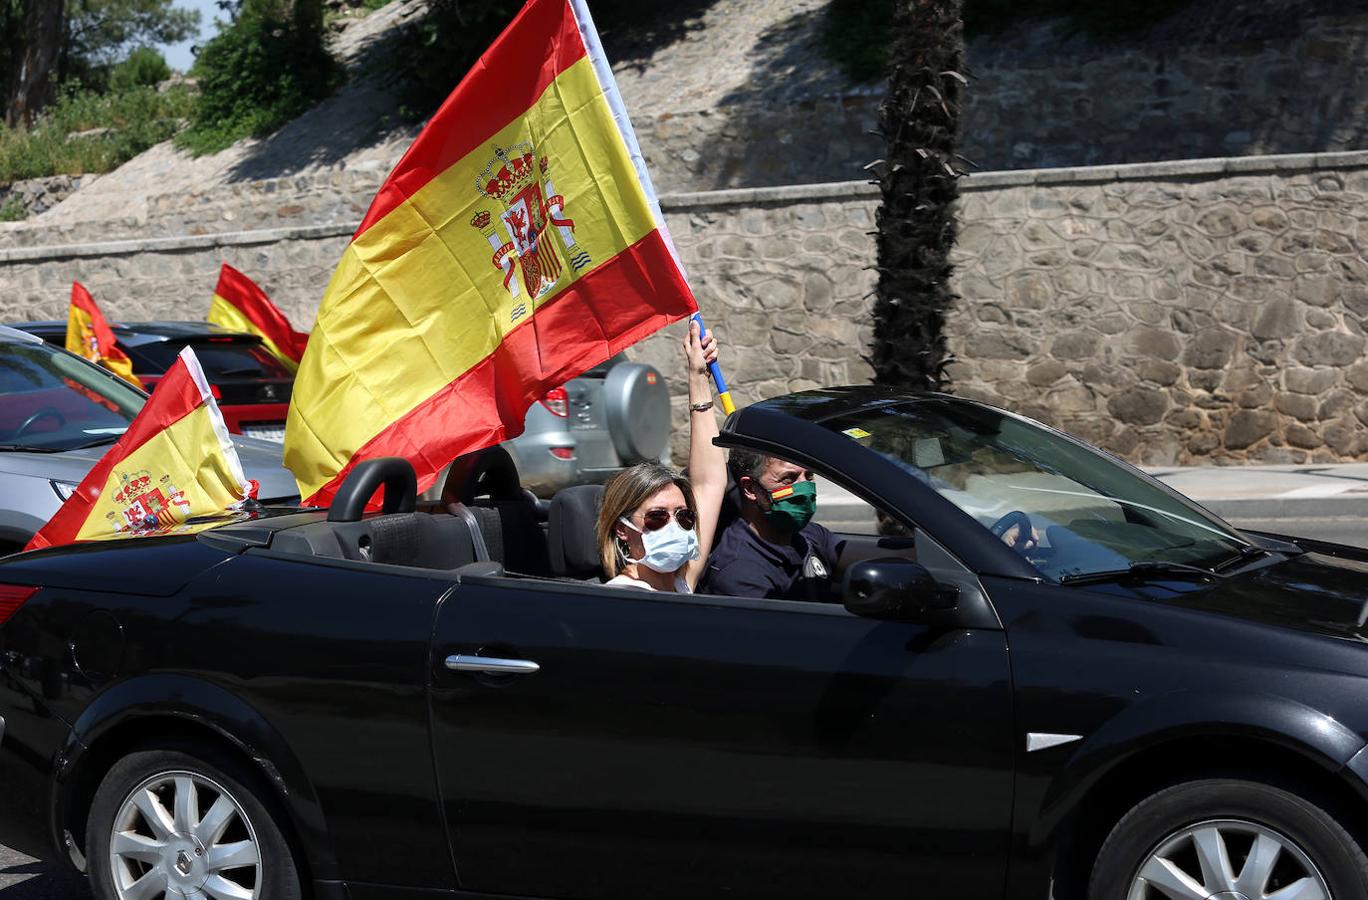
column 47, row 412
column 1014, row 518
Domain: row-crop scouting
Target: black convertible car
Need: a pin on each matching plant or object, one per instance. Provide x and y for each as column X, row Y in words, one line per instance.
column 1135, row 702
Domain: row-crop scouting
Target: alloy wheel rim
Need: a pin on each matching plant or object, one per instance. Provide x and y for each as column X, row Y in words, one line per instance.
column 179, row 834
column 1228, row 859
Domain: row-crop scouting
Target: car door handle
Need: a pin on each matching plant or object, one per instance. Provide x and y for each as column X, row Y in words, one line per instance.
column 491, row 665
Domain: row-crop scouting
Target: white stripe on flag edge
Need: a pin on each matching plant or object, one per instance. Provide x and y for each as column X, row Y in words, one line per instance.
column 225, row 440
column 608, row 84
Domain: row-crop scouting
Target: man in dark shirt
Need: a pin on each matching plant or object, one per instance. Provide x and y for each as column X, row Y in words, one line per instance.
column 773, row 549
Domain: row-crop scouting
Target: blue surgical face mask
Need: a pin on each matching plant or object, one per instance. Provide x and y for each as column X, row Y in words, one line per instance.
column 667, row 549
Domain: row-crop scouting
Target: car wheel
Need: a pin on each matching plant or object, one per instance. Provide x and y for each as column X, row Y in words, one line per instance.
column 1230, row 840
column 171, row 823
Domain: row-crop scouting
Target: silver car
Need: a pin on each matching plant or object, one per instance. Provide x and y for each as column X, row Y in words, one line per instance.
column 58, row 415
column 615, row 415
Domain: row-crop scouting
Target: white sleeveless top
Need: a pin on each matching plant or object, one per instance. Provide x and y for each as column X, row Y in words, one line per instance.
column 681, row 586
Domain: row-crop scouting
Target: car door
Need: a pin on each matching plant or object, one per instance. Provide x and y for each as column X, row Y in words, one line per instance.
column 674, row 746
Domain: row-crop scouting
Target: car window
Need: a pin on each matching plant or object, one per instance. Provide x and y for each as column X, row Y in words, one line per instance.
column 1090, row 513
column 51, row 400
column 219, row 359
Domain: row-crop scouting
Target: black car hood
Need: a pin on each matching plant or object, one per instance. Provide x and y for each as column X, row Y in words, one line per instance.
column 1313, row 591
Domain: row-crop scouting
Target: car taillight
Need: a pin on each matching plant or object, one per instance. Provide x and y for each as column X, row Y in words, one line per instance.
column 217, row 394
column 557, row 402
column 12, row 596
column 563, row 452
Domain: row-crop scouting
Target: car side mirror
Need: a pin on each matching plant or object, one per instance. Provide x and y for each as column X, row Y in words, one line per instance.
column 895, row 588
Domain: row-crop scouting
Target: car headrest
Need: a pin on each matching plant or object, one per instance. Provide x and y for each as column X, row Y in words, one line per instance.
column 490, row 473
column 570, row 531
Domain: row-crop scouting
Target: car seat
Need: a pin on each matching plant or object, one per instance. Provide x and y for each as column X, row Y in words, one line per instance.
column 571, row 546
column 483, row 489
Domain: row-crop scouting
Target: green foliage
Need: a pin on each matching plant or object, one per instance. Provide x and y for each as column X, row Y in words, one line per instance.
column 858, row 32
column 268, row 65
column 136, row 119
column 857, row 36
column 101, row 32
column 12, row 210
column 144, row 67
column 439, row 49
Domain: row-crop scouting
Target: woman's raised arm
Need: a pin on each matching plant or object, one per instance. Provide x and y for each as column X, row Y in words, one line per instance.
column 707, row 462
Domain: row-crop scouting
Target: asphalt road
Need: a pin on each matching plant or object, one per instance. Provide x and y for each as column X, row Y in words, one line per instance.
column 23, row 878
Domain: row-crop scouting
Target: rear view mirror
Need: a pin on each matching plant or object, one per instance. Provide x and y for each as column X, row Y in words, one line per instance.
column 895, row 588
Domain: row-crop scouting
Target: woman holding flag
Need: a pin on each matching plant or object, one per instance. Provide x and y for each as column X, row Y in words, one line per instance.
column 655, row 526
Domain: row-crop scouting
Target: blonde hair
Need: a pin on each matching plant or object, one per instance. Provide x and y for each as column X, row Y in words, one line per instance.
column 626, row 491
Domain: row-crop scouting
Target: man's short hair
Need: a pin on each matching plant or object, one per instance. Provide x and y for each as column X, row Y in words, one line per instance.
column 743, row 462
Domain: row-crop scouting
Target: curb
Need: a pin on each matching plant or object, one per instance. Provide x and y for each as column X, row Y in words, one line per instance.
column 836, row 512
column 1289, row 507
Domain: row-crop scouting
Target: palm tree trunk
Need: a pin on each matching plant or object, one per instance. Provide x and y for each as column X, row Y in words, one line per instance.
column 919, row 119
column 35, row 61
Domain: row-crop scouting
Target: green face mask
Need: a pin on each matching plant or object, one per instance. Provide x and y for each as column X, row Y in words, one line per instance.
column 791, row 508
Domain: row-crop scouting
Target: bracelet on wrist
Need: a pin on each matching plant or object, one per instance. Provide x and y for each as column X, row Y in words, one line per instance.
column 701, row 407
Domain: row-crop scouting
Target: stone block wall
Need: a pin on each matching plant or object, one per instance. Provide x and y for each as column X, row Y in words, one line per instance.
column 1174, row 312
column 1213, row 310
column 1039, row 98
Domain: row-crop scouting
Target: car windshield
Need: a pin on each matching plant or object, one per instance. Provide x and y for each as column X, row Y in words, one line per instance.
column 51, row 400
column 219, row 357
column 1090, row 513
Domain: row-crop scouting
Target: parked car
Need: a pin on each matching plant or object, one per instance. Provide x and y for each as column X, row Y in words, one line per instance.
column 615, row 415
column 1138, row 701
column 58, row 416
column 251, row 386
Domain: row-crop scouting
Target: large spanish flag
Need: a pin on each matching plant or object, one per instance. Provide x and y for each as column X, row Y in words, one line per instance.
column 517, row 244
column 89, row 335
column 174, row 462
column 239, row 304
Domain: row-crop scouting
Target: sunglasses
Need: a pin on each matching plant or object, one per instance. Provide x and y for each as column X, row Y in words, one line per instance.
column 658, row 518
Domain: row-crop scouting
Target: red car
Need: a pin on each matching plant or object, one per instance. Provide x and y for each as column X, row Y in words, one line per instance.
column 252, row 386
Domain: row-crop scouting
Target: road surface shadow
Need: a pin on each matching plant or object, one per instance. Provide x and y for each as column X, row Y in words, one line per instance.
column 34, row 880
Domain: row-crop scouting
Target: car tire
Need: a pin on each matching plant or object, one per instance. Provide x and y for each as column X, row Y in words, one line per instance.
column 1270, row 838
column 144, row 824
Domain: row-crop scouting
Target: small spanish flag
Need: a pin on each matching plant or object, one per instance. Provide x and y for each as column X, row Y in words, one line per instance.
column 239, row 304
column 89, row 335
column 517, row 244
column 175, row 461
column 782, row 493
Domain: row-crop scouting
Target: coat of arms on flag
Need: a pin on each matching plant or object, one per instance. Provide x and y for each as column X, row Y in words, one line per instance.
column 533, row 222
column 145, row 506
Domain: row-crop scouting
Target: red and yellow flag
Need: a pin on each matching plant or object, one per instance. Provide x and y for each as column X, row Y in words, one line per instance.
column 241, row 305
column 175, row 461
column 517, row 244
column 89, row 335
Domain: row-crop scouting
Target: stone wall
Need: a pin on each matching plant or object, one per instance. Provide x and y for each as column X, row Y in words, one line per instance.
column 1289, row 82
column 1289, row 85
column 1172, row 312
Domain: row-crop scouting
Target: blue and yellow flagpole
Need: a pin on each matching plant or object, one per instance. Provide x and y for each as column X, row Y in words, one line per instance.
column 723, row 395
